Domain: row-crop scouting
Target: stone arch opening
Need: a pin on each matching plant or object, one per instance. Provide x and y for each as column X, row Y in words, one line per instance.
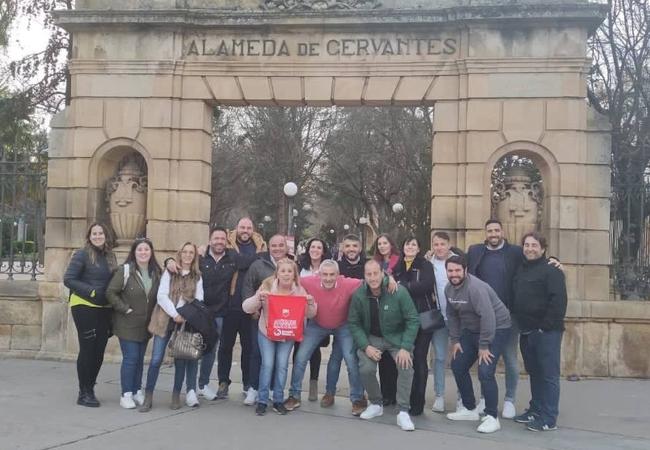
column 522, row 182
column 118, row 188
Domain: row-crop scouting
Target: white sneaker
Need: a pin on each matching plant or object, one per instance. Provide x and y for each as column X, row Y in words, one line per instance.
column 372, row 411
column 480, row 408
column 404, row 421
column 138, row 398
column 509, row 411
column 251, row 397
column 126, row 401
column 489, row 424
column 464, row 414
column 207, row 392
column 438, row 405
column 191, row 399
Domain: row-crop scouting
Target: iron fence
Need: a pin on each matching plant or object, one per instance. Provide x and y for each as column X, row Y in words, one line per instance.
column 23, row 181
column 630, row 240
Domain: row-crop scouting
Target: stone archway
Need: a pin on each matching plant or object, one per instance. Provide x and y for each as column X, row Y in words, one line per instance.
column 501, row 76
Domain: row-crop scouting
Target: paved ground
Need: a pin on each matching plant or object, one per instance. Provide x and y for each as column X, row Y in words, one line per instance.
column 38, row 411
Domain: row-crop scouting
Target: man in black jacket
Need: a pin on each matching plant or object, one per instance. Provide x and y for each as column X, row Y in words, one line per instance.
column 540, row 302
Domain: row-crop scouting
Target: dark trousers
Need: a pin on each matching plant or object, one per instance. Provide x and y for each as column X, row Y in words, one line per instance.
column 235, row 322
column 420, row 371
column 463, row 362
column 420, row 374
column 255, row 362
column 315, row 360
column 388, row 378
column 541, row 353
column 93, row 327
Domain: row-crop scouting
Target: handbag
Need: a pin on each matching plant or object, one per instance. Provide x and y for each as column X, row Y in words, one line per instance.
column 186, row 344
column 431, row 319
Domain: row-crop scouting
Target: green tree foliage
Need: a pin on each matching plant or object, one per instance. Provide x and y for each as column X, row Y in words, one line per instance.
column 42, row 78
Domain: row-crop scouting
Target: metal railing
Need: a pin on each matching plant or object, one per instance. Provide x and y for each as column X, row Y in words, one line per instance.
column 23, row 182
column 630, row 240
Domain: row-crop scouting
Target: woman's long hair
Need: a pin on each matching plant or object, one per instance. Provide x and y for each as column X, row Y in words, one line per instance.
column 185, row 285
column 305, row 259
column 393, row 248
column 153, row 267
column 106, row 250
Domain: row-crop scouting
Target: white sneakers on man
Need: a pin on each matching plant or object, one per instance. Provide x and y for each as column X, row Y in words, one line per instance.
column 251, row 397
column 207, row 392
column 509, row 411
column 126, row 401
column 404, row 421
column 464, row 414
column 438, row 405
column 372, row 411
column 489, row 424
column 138, row 398
column 191, row 399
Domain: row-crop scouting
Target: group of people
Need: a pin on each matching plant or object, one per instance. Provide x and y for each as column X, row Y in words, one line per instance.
column 377, row 311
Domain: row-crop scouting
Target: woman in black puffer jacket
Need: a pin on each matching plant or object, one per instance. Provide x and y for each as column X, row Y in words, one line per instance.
column 87, row 277
column 416, row 274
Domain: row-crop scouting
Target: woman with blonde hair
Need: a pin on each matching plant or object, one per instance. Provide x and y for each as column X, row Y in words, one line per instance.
column 285, row 281
column 175, row 290
column 87, row 277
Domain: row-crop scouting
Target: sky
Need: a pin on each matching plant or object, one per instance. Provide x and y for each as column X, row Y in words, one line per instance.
column 24, row 39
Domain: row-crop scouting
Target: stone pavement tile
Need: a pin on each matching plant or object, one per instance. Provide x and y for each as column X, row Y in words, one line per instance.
column 38, row 412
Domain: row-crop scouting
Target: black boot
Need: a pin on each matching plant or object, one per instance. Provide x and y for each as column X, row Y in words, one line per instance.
column 87, row 397
column 90, row 397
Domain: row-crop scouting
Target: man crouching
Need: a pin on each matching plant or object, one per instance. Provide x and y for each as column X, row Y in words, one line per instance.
column 380, row 321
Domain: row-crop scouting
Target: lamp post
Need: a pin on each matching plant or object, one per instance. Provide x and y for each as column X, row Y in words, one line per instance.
column 363, row 221
column 290, row 190
column 398, row 208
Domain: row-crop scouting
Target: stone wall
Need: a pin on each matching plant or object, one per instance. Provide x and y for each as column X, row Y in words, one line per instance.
column 602, row 339
column 21, row 318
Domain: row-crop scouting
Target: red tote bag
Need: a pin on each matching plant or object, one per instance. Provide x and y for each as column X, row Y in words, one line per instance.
column 285, row 317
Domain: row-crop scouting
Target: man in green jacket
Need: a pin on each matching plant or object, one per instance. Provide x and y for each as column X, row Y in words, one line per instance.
column 380, row 321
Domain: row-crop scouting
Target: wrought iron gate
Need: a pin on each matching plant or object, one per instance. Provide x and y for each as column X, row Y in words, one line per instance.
column 23, row 182
column 630, row 240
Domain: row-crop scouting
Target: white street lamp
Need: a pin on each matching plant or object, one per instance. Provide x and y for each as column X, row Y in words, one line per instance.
column 290, row 190
column 346, row 227
column 398, row 208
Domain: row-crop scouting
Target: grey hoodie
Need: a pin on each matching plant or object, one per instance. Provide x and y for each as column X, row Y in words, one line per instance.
column 474, row 306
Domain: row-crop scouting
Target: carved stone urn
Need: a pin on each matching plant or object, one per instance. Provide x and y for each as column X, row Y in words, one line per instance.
column 518, row 204
column 127, row 199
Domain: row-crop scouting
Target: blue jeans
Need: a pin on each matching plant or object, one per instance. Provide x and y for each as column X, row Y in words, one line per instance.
column 157, row 356
column 313, row 336
column 274, row 354
column 541, row 353
column 440, row 342
column 185, row 369
column 510, row 353
column 207, row 361
column 132, row 365
column 464, row 361
column 334, row 369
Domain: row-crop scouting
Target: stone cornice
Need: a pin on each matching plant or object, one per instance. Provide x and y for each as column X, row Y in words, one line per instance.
column 589, row 15
column 443, row 67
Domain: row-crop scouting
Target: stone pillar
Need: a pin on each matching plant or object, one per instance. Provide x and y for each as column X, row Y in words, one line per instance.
column 519, row 96
column 115, row 111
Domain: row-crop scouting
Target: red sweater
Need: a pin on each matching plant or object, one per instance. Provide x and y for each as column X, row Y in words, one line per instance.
column 333, row 304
